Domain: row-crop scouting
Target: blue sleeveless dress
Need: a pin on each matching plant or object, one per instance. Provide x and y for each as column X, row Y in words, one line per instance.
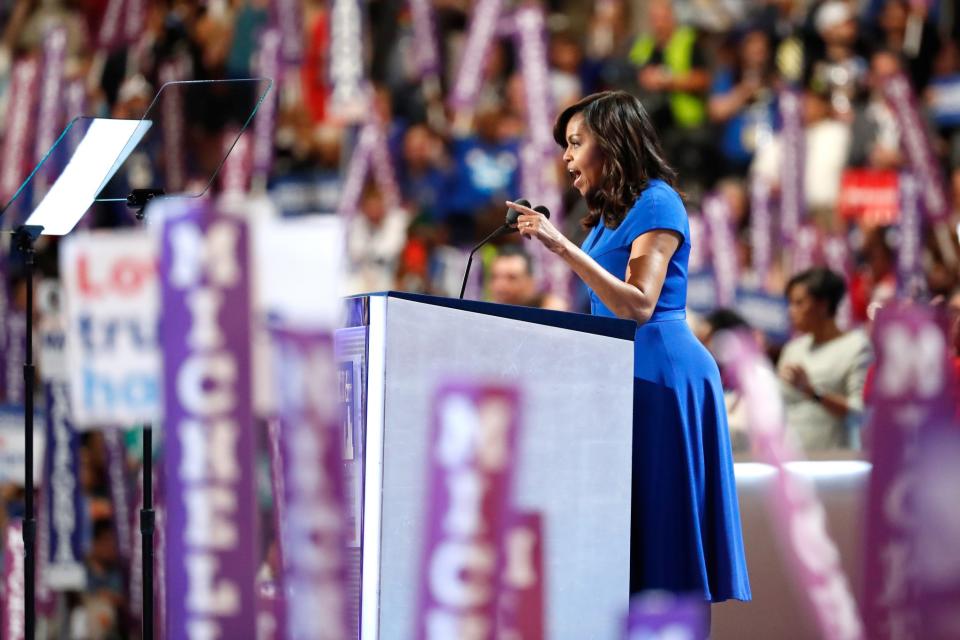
column 685, row 533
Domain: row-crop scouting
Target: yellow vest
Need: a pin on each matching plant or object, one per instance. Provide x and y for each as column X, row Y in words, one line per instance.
column 688, row 109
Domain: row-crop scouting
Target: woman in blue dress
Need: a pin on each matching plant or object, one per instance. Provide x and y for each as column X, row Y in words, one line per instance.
column 685, row 533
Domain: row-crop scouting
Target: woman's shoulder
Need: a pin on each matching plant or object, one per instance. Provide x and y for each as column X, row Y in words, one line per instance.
column 658, row 192
column 659, row 206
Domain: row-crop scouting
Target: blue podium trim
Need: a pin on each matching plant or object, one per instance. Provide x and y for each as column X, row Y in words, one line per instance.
column 610, row 327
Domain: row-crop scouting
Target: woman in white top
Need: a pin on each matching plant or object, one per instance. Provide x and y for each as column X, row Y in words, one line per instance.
column 823, row 368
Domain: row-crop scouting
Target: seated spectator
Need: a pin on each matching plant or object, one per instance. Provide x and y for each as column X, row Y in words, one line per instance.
column 512, row 281
column 743, row 100
column 823, row 369
column 375, row 237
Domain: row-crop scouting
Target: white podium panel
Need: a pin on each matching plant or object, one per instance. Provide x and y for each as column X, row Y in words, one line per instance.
column 574, row 459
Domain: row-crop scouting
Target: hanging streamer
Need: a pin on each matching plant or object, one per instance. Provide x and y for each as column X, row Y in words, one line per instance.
column 288, row 17
column 171, row 110
column 425, row 49
column 370, row 153
column 803, row 249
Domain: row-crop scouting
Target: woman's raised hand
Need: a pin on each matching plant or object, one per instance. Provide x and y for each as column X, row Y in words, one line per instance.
column 533, row 224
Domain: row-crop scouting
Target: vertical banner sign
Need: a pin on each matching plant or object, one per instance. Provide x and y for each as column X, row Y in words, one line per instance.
column 540, row 179
column 271, row 600
column 110, row 36
column 483, row 27
column 350, row 99
column 910, row 280
column 521, row 612
column 134, row 20
column 210, row 498
column 716, row 213
column 664, row 615
column 19, row 130
column 14, row 601
column 110, row 291
column 63, row 502
column 135, row 587
column 288, row 16
column 314, row 524
column 470, row 465
column 426, row 52
column 836, row 253
column 119, row 490
column 269, row 613
column 911, row 395
column 761, row 227
column 803, row 249
column 16, row 351
column 171, row 111
column 268, row 66
column 793, row 153
column 235, row 174
column 50, row 113
column 916, row 146
column 370, row 153
column 798, row 515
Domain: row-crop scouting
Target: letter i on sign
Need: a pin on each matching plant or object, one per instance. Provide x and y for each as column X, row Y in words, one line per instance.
column 472, row 452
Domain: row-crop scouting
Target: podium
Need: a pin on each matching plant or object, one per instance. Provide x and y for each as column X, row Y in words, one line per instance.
column 575, row 377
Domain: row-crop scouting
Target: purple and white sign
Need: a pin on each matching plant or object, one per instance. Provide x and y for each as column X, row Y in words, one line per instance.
column 483, row 28
column 761, row 227
column 13, row 599
column 915, row 142
column 63, row 502
column 110, row 35
column 264, row 127
column 803, row 248
column 798, row 516
column 314, row 524
column 350, row 97
column 370, row 153
column 910, row 279
column 119, row 490
column 667, row 616
column 50, row 112
column 522, row 607
column 472, row 453
column 793, row 153
column 911, row 396
column 19, row 130
column 171, row 112
column 288, row 16
column 723, row 248
column 209, row 465
column 426, row 52
column 836, row 254
column 236, row 171
column 269, row 610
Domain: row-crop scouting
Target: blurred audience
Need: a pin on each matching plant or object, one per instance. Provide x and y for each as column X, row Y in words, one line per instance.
column 513, row 281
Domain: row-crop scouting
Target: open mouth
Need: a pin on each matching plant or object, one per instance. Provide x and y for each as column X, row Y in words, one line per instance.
column 575, row 175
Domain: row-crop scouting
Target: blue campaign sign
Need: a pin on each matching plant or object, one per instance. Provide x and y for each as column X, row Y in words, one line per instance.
column 945, row 100
column 701, row 291
column 766, row 312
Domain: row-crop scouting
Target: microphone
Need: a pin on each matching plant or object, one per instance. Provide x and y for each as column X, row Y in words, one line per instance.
column 511, row 219
column 541, row 209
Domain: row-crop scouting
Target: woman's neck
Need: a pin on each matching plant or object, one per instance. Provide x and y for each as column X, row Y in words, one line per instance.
column 826, row 331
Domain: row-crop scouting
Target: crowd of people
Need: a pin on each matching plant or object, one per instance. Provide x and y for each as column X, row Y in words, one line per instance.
column 711, row 76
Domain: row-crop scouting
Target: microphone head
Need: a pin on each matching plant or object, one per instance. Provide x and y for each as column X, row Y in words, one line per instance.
column 542, row 209
column 513, row 214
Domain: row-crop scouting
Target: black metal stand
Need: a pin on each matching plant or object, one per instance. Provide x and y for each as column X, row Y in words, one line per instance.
column 23, row 239
column 137, row 201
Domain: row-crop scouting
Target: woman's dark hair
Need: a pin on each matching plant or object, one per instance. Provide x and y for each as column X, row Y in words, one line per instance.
column 822, row 284
column 630, row 149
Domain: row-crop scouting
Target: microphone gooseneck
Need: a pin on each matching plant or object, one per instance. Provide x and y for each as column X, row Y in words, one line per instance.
column 506, row 227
